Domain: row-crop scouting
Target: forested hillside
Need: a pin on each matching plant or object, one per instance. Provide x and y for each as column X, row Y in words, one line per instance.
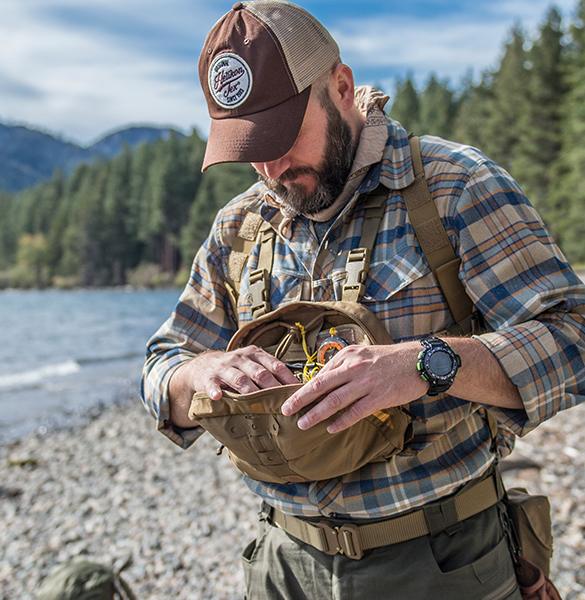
column 29, row 156
column 137, row 215
column 140, row 217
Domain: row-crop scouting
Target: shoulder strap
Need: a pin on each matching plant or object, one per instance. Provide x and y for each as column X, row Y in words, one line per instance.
column 260, row 276
column 253, row 230
column 358, row 259
column 430, row 232
column 242, row 245
column 434, row 241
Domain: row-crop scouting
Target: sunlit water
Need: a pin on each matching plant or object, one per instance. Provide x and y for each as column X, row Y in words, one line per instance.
column 64, row 354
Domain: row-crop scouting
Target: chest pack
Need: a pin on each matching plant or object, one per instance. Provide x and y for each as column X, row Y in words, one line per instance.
column 263, row 443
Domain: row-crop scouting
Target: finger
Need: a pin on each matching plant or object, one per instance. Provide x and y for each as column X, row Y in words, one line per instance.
column 322, row 384
column 276, row 367
column 334, row 402
column 213, row 388
column 259, row 374
column 238, row 381
column 352, row 414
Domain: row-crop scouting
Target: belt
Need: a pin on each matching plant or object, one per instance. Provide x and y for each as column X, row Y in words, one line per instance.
column 352, row 540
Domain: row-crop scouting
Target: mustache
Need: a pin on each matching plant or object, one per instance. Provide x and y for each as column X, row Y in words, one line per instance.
column 290, row 174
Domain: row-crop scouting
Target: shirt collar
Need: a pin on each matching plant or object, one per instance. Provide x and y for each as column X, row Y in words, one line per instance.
column 395, row 170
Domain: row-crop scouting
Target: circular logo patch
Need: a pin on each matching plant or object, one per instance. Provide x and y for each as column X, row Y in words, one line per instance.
column 229, row 80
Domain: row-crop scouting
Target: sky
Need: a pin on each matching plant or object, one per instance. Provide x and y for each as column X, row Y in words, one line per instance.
column 82, row 68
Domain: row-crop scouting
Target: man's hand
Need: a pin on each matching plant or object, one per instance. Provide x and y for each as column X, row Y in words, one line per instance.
column 244, row 370
column 358, row 381
column 361, row 380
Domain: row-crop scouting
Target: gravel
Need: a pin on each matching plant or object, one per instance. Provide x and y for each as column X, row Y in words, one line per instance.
column 116, row 489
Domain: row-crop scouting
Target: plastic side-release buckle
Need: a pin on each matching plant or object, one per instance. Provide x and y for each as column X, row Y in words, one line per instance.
column 358, row 263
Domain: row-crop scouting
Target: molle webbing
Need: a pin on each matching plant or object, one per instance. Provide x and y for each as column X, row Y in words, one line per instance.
column 260, row 277
column 242, row 246
column 358, row 259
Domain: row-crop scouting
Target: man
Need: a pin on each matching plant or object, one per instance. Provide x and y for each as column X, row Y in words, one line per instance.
column 280, row 98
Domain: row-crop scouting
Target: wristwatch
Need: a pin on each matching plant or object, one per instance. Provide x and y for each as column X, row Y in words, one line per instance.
column 437, row 364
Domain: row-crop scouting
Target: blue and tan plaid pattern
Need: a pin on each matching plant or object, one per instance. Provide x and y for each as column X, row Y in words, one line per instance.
column 511, row 268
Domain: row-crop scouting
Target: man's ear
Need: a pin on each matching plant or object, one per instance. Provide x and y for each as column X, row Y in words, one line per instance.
column 341, row 87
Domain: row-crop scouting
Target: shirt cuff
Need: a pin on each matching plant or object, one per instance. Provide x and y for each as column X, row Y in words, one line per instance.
column 182, row 437
column 529, row 356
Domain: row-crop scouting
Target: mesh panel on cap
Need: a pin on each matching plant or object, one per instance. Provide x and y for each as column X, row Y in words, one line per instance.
column 308, row 47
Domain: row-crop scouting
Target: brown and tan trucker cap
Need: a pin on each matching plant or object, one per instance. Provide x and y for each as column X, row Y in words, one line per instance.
column 256, row 69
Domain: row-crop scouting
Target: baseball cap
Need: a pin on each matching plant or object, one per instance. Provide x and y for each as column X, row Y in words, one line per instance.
column 256, row 69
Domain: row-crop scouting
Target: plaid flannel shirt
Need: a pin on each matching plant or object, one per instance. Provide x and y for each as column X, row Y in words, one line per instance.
column 511, row 268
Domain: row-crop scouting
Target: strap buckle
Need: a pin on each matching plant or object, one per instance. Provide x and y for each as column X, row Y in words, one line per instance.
column 344, row 540
column 259, row 286
column 358, row 262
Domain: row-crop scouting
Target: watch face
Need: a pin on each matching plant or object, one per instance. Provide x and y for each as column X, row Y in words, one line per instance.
column 440, row 364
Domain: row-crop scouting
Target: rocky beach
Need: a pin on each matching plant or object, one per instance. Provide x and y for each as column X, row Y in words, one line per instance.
column 115, row 490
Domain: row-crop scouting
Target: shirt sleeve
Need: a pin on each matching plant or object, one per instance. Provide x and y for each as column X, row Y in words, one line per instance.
column 202, row 320
column 524, row 287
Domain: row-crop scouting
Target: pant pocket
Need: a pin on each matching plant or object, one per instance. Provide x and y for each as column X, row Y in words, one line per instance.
column 488, row 577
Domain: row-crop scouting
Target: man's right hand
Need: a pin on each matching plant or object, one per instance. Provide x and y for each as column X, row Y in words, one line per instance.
column 243, row 370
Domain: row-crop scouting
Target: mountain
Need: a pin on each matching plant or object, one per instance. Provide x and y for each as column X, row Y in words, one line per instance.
column 29, row 156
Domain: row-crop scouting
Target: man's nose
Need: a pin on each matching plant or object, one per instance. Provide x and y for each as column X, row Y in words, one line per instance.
column 273, row 169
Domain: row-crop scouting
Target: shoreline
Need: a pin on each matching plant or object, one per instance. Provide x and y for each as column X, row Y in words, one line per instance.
column 115, row 487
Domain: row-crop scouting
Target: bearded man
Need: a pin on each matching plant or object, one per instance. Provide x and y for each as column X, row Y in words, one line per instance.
column 410, row 526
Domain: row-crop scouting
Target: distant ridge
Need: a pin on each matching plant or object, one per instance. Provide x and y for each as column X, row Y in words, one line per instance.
column 29, row 156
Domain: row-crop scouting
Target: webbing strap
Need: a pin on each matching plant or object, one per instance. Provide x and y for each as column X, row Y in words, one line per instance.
column 260, row 277
column 242, row 246
column 351, row 539
column 358, row 259
column 426, row 222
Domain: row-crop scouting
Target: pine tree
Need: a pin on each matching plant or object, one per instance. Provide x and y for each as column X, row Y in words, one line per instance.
column 218, row 187
column 508, row 102
column 117, row 240
column 569, row 199
column 473, row 112
column 405, row 107
column 437, row 109
column 539, row 139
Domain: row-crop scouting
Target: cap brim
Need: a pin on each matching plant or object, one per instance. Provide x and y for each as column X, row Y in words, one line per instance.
column 260, row 137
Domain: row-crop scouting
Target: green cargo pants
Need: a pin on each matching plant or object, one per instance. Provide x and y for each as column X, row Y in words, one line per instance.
column 469, row 561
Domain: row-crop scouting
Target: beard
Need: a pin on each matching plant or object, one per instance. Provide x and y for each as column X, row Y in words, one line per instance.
column 330, row 176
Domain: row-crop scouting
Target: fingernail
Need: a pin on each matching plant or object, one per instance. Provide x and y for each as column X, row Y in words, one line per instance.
column 303, row 423
column 285, row 409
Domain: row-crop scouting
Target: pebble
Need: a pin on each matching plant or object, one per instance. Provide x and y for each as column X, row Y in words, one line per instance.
column 116, row 489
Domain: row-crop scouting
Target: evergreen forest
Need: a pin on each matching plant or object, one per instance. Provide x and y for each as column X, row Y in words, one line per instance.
column 140, row 217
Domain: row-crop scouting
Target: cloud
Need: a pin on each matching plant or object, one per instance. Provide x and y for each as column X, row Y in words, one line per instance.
column 18, row 89
column 84, row 67
column 384, row 47
column 88, row 82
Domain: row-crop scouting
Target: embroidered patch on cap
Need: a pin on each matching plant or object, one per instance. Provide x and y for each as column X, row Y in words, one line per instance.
column 229, row 80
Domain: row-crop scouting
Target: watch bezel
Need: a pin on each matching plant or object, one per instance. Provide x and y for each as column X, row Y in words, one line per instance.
column 428, row 355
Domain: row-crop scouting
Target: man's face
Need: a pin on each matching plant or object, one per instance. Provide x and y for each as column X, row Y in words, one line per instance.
column 313, row 173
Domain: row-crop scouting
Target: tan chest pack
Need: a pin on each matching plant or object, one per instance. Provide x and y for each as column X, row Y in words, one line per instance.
column 268, row 446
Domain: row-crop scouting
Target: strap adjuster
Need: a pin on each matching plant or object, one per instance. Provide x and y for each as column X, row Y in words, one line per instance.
column 357, row 265
column 259, row 286
column 343, row 539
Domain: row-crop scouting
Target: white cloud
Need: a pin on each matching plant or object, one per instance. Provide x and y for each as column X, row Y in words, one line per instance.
column 87, row 83
column 448, row 46
column 84, row 80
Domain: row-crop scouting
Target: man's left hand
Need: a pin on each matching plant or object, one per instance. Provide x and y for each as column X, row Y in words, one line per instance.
column 357, row 382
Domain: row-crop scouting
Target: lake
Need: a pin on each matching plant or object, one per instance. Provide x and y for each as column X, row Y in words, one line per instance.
column 65, row 354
